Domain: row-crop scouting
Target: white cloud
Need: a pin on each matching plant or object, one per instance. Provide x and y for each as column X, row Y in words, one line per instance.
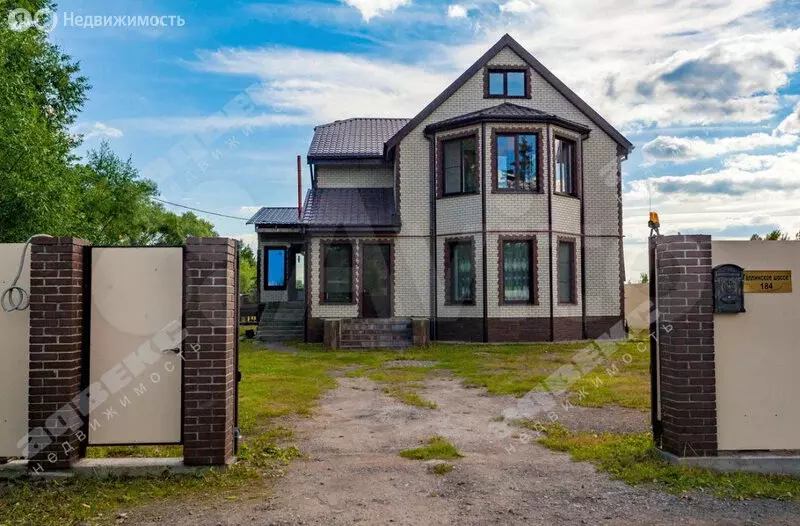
column 372, row 8
column 685, row 149
column 791, row 124
column 217, row 122
column 324, row 86
column 457, row 11
column 97, row 129
column 518, row 6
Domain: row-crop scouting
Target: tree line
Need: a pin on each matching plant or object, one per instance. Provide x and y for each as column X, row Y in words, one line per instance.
column 45, row 187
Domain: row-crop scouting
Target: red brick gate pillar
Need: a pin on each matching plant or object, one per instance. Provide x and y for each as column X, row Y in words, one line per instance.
column 685, row 331
column 209, row 348
column 56, row 342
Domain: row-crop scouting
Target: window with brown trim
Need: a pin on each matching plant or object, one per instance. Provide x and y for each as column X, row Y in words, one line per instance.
column 566, row 272
column 517, row 161
column 517, row 280
column 337, row 273
column 274, row 268
column 460, row 270
column 459, row 166
column 566, row 167
column 511, row 83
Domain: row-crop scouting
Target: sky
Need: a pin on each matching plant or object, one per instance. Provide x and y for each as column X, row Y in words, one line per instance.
column 215, row 110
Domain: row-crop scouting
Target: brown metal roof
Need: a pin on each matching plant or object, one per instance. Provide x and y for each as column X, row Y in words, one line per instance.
column 359, row 138
column 507, row 112
column 350, row 208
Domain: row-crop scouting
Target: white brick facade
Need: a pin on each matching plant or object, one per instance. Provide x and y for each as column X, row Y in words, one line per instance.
column 370, row 176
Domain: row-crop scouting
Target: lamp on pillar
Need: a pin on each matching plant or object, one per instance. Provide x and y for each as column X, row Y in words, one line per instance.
column 654, row 224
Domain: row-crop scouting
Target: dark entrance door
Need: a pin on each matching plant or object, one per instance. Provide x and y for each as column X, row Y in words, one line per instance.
column 297, row 273
column 376, row 296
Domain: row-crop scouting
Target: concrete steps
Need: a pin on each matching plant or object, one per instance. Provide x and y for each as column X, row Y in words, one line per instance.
column 282, row 322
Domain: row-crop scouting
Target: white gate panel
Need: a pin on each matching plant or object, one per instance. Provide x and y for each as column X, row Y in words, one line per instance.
column 14, row 334
column 136, row 320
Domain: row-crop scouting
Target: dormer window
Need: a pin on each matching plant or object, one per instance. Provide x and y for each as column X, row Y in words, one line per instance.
column 511, row 83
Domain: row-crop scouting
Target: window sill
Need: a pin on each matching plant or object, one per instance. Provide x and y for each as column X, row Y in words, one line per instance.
column 339, row 303
column 489, row 96
column 275, row 288
column 571, row 196
column 568, row 303
column 459, row 303
column 462, row 194
column 518, row 304
column 515, row 191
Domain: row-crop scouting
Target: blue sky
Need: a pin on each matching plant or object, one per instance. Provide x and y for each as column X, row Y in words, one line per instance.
column 709, row 92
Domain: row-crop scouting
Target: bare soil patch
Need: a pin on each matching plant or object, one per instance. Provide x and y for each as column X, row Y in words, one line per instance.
column 352, row 473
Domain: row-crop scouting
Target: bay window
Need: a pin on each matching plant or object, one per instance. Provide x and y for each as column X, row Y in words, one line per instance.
column 517, row 277
column 460, row 166
column 461, row 273
column 517, row 161
column 565, row 176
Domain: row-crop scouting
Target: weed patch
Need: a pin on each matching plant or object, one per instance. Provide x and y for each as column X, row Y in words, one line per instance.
column 438, row 447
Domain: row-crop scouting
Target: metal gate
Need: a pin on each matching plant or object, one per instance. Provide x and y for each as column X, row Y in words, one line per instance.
column 135, row 326
column 14, row 348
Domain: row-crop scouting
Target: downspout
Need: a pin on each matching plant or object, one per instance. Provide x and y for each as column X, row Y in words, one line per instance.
column 434, row 273
column 483, row 222
column 583, row 252
column 550, row 231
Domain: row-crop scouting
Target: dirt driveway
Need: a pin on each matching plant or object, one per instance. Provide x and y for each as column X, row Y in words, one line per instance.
column 352, row 473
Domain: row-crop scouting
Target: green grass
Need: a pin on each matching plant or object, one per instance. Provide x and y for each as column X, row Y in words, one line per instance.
column 441, row 468
column 634, row 459
column 438, row 447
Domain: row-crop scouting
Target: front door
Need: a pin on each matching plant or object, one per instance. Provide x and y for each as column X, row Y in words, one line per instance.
column 376, row 296
column 297, row 273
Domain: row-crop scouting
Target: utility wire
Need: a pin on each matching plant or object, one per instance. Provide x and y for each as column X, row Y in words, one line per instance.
column 199, row 210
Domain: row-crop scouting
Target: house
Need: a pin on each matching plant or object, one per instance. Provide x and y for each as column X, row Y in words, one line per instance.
column 494, row 215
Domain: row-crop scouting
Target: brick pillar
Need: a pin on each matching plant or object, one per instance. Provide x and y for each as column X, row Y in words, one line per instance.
column 686, row 345
column 56, row 342
column 209, row 367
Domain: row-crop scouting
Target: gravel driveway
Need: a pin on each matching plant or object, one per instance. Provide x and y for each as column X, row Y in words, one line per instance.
column 353, row 474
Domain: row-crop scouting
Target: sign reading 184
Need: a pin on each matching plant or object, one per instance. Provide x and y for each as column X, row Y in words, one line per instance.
column 768, row 281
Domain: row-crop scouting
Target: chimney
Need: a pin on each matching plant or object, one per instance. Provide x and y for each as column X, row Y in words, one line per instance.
column 299, row 188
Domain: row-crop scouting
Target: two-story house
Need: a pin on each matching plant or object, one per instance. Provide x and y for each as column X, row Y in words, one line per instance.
column 495, row 214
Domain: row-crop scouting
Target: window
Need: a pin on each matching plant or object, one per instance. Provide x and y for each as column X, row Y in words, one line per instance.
column 517, row 161
column 517, row 276
column 460, row 166
column 275, row 268
column 565, row 167
column 461, row 279
column 566, row 272
column 338, row 273
column 506, row 84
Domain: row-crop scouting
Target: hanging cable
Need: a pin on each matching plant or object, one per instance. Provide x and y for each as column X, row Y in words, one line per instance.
column 198, row 209
column 16, row 298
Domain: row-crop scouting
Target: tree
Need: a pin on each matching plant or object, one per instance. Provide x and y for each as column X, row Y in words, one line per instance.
column 247, row 270
column 41, row 94
column 643, row 277
column 775, row 235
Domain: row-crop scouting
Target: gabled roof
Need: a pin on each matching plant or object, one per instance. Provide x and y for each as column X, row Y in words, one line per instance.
column 507, row 112
column 276, row 216
column 538, row 67
column 359, row 138
column 350, row 209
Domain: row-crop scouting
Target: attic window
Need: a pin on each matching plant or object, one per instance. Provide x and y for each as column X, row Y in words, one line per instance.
column 506, row 83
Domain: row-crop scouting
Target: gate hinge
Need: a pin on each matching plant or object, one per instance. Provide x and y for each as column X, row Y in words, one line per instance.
column 238, row 376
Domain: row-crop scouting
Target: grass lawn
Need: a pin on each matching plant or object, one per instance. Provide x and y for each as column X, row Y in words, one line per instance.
column 633, row 459
column 280, row 384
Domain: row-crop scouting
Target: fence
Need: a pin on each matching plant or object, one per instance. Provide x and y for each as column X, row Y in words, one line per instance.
column 120, row 346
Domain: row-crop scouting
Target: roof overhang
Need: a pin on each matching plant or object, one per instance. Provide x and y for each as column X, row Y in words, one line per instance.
column 353, row 229
column 451, row 124
column 347, row 161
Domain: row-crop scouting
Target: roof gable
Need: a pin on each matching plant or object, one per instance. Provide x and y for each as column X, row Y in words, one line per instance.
column 538, row 67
